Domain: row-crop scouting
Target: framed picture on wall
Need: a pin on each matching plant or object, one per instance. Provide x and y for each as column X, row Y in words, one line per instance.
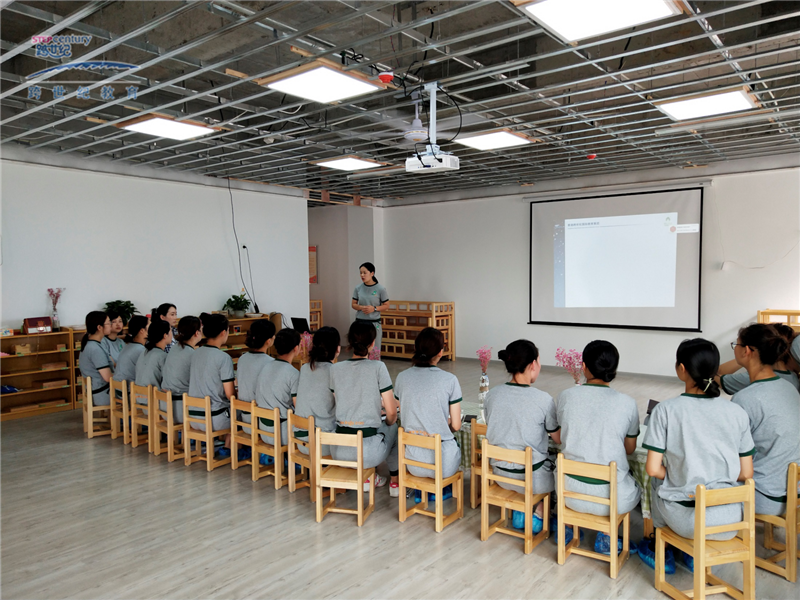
column 312, row 264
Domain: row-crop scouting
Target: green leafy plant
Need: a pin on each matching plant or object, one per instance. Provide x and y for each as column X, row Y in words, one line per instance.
column 237, row 303
column 124, row 308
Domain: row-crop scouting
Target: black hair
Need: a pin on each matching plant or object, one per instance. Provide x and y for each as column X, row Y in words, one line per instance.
column 258, row 334
column 518, row 355
column 136, row 324
column 360, row 337
column 602, row 359
column 700, row 358
column 326, row 342
column 428, row 343
column 156, row 332
column 286, row 340
column 788, row 334
column 113, row 314
column 95, row 319
column 371, row 268
column 213, row 325
column 187, row 327
column 771, row 345
column 163, row 309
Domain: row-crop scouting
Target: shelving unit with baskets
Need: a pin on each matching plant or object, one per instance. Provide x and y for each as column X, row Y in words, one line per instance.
column 315, row 314
column 42, row 390
column 403, row 320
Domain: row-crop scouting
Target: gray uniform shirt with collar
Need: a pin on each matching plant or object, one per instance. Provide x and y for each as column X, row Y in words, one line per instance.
column 314, row 396
column 113, row 349
column 126, row 364
column 247, row 371
column 92, row 359
column 150, row 368
column 277, row 385
column 210, row 368
column 176, row 371
column 358, row 385
column 736, row 382
column 370, row 295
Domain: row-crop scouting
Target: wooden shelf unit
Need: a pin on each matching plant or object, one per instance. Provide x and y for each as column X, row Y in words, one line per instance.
column 24, row 371
column 787, row 317
column 236, row 346
column 315, row 314
column 403, row 320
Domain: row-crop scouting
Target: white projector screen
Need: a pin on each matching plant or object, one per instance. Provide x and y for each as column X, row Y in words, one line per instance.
column 625, row 260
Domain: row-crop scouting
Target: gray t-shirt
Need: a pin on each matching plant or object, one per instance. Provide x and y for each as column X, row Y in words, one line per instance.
column 314, row 396
column 126, row 363
column 370, row 295
column 176, row 371
column 773, row 407
column 795, row 349
column 518, row 416
column 247, row 371
column 595, row 420
column 702, row 439
column 113, row 349
column 741, row 379
column 358, row 385
column 149, row 368
column 210, row 369
column 277, row 385
column 425, row 395
column 93, row 358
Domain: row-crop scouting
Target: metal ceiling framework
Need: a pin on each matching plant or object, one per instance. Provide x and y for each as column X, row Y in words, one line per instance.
column 595, row 97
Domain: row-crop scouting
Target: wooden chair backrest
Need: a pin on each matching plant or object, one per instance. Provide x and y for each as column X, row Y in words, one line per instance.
column 521, row 457
column 140, row 391
column 86, row 383
column 237, row 407
column 732, row 495
column 420, row 441
column 340, row 439
column 203, row 404
column 271, row 414
column 475, row 429
column 581, row 469
column 114, row 386
column 302, row 423
column 162, row 396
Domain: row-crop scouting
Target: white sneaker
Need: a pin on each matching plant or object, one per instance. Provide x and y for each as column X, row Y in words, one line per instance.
column 379, row 482
column 394, row 490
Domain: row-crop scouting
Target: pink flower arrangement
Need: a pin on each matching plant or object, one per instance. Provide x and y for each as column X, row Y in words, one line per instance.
column 306, row 342
column 375, row 353
column 55, row 295
column 484, row 355
column 572, row 361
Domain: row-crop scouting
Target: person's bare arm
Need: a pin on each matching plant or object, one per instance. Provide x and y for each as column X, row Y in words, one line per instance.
column 389, row 406
column 227, row 386
column 745, row 468
column 556, row 435
column 655, row 467
column 105, row 374
column 630, row 445
column 455, row 416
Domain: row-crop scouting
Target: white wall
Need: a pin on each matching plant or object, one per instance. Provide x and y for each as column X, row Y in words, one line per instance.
column 476, row 253
column 107, row 237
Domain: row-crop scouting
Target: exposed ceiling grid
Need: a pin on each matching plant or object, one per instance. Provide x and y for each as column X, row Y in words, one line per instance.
column 201, row 61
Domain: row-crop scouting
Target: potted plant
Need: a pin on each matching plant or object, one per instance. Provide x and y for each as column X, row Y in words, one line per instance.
column 124, row 308
column 237, row 305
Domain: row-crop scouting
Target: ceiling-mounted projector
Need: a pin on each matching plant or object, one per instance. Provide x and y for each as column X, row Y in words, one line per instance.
column 433, row 159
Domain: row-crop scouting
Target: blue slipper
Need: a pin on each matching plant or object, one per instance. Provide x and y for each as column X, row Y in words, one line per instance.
column 244, row 453
column 688, row 561
column 647, row 552
column 569, row 532
column 223, row 453
column 602, row 543
column 447, row 493
column 518, row 521
column 266, row 460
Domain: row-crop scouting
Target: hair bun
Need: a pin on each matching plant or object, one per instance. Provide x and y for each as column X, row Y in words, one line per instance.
column 502, row 355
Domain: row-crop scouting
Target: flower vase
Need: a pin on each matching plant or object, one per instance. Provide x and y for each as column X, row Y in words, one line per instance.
column 482, row 390
column 56, row 323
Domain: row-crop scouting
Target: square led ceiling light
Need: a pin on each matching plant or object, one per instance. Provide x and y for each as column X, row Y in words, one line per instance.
column 348, row 163
column 167, row 128
column 707, row 105
column 322, row 84
column 494, row 140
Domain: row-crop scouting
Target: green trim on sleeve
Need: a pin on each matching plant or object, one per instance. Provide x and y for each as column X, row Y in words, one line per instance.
column 654, row 449
column 294, row 395
column 635, row 435
column 750, row 453
column 229, row 380
column 552, row 430
column 452, row 401
column 386, row 389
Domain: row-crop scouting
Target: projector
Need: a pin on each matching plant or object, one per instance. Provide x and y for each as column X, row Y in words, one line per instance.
column 429, row 162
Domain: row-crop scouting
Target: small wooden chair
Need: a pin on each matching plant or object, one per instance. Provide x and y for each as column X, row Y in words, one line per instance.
column 139, row 418
column 164, row 423
column 475, row 429
column 427, row 485
column 306, row 461
column 208, row 436
column 277, row 449
column 608, row 525
column 238, row 435
column 494, row 495
column 343, row 475
column 707, row 553
column 120, row 410
column 94, row 426
column 791, row 524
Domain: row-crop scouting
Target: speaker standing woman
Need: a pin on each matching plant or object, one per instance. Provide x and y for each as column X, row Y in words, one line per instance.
column 369, row 299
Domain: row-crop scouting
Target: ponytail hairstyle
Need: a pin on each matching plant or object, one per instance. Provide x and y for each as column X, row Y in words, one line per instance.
column 371, row 268
column 286, row 340
column 259, row 333
column 771, row 345
column 187, row 327
column 360, row 337
column 156, row 332
column 602, row 359
column 135, row 325
column 326, row 342
column 163, row 309
column 95, row 319
column 788, row 334
column 700, row 358
column 213, row 325
column 427, row 345
column 518, row 355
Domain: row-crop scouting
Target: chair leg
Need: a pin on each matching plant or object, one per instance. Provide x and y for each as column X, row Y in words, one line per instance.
column 660, row 569
column 318, row 495
column 278, row 471
column 699, row 575
column 360, row 500
column 439, row 508
column 187, row 443
column 460, row 497
column 749, row 576
column 473, row 488
column 209, row 450
column 291, row 473
column 791, row 554
column 613, row 556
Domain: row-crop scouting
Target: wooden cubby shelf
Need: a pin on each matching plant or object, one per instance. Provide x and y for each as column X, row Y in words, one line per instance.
column 314, row 314
column 403, row 320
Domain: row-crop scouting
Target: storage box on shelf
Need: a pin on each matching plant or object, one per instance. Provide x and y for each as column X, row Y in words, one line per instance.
column 43, row 373
column 788, row 317
column 403, row 320
column 315, row 314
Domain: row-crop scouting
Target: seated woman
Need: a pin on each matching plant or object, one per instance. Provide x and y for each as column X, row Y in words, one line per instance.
column 703, row 439
column 113, row 343
column 276, row 385
column 772, row 405
column 134, row 348
column 314, row 395
column 733, row 378
column 520, row 416
column 599, row 425
column 430, row 402
column 175, row 376
column 167, row 312
column 94, row 361
column 150, row 366
column 260, row 337
column 362, row 390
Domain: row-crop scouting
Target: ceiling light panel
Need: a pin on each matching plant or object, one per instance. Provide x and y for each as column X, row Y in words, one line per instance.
column 574, row 20
column 494, row 140
column 167, row 128
column 708, row 105
column 323, row 84
column 349, row 163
